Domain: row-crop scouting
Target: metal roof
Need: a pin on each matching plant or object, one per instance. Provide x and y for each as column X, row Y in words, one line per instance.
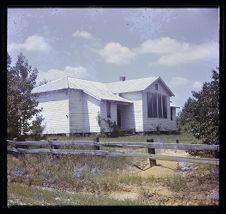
column 135, row 85
column 101, row 91
column 94, row 89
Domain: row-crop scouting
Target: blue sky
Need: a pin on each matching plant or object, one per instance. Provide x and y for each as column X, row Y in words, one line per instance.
column 100, row 44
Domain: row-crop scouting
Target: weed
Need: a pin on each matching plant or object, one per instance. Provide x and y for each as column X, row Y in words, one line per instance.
column 176, row 183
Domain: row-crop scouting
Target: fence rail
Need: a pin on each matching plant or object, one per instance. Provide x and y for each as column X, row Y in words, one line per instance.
column 152, row 145
column 22, row 147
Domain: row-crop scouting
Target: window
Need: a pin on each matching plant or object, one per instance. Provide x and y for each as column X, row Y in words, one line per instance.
column 164, row 106
column 171, row 113
column 156, row 105
column 156, row 87
column 108, row 110
column 160, row 113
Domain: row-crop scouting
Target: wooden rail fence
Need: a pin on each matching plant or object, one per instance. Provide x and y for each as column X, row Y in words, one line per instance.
column 22, row 147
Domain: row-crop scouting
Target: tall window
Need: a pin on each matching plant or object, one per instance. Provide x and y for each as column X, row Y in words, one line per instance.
column 108, row 109
column 164, row 106
column 156, row 105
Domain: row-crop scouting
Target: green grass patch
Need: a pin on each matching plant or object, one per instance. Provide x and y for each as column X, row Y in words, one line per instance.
column 19, row 194
column 167, row 138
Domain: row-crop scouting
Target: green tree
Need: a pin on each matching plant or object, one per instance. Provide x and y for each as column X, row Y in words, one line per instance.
column 200, row 114
column 207, row 111
column 37, row 127
column 186, row 116
column 21, row 103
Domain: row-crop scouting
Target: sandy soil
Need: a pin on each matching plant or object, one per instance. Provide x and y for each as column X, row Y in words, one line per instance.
column 161, row 194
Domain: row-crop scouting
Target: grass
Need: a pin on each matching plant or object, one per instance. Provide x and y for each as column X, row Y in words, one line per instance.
column 167, row 138
column 98, row 177
column 31, row 195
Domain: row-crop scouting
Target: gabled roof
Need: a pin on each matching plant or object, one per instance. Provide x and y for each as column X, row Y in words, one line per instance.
column 94, row 89
column 101, row 91
column 135, row 85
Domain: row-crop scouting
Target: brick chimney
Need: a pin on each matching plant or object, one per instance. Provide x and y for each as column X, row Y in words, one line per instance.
column 122, row 78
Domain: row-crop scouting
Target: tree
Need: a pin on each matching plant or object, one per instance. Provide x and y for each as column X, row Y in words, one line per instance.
column 21, row 103
column 201, row 113
column 186, row 116
column 37, row 127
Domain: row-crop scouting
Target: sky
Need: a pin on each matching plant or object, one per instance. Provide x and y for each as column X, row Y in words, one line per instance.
column 181, row 45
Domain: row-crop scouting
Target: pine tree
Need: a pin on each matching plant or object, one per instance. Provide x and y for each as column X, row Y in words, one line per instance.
column 21, row 103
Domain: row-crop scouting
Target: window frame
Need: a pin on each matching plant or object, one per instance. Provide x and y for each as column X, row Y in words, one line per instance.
column 153, row 108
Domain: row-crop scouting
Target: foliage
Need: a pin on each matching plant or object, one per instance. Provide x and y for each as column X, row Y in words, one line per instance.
column 21, row 103
column 186, row 117
column 200, row 114
column 37, row 127
column 112, row 126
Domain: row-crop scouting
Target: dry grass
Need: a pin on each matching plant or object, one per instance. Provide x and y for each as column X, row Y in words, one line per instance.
column 33, row 179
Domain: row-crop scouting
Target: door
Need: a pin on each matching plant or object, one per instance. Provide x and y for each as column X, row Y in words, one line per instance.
column 119, row 117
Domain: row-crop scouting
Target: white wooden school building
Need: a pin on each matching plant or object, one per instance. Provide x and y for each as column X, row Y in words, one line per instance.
column 72, row 105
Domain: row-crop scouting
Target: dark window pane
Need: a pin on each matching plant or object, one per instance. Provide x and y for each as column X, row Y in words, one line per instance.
column 171, row 113
column 164, row 106
column 149, row 105
column 108, row 109
column 160, row 106
column 154, row 96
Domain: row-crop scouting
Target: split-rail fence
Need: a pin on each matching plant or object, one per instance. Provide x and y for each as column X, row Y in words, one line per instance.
column 53, row 147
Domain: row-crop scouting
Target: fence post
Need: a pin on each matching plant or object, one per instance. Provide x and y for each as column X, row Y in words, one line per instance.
column 54, row 146
column 151, row 151
column 96, row 141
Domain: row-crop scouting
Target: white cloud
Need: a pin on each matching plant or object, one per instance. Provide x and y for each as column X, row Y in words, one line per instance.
column 115, row 53
column 83, row 34
column 190, row 54
column 163, row 45
column 197, row 85
column 170, row 52
column 178, row 81
column 53, row 74
column 32, row 43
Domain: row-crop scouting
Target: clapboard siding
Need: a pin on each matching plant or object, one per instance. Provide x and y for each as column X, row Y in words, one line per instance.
column 91, row 108
column 73, row 111
column 76, row 111
column 135, row 116
column 150, row 124
column 55, row 111
column 174, row 114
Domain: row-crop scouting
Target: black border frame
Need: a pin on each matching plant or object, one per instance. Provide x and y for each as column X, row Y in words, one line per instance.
column 104, row 4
